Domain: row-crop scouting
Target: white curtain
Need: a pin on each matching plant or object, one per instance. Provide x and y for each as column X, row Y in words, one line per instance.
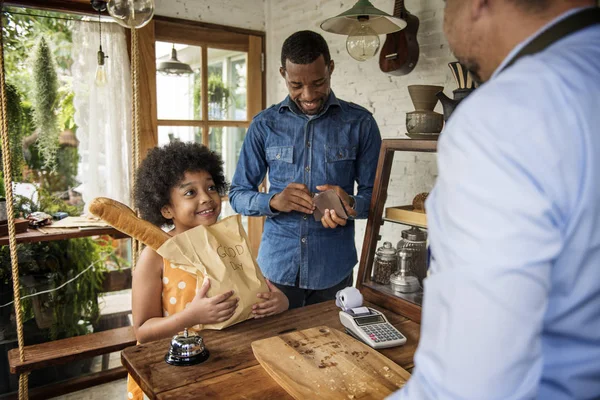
column 103, row 114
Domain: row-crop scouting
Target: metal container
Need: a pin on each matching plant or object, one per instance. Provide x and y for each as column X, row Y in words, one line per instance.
column 424, row 122
column 415, row 239
column 386, row 263
column 404, row 280
column 187, row 349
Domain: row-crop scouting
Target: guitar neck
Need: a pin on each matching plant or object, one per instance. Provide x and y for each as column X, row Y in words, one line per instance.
column 398, row 8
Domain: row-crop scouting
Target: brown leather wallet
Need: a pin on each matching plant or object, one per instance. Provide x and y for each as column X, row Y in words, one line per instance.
column 328, row 200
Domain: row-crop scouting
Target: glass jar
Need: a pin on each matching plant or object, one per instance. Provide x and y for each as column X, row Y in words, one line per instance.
column 404, row 280
column 386, row 262
column 415, row 239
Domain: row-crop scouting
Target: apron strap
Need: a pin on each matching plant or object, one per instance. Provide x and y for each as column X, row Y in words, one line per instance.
column 573, row 23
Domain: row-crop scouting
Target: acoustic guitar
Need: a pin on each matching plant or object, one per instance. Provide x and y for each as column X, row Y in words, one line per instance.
column 400, row 52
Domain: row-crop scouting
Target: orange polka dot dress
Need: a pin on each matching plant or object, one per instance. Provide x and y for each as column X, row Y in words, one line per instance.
column 179, row 289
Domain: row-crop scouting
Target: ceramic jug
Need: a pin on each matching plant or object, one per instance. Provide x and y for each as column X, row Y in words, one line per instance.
column 465, row 84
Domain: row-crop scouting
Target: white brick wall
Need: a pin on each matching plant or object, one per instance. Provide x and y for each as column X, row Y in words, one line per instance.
column 363, row 83
column 248, row 14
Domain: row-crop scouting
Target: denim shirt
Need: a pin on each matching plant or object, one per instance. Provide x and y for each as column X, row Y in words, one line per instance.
column 339, row 146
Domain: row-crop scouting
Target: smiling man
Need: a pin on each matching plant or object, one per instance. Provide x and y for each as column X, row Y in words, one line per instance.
column 310, row 142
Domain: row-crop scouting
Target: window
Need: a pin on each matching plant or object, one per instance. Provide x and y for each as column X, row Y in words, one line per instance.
column 213, row 101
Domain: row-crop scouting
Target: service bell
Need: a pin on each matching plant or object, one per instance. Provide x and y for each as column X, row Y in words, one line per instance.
column 187, row 349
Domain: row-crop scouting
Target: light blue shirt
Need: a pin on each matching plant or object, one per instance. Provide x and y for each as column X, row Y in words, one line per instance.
column 512, row 306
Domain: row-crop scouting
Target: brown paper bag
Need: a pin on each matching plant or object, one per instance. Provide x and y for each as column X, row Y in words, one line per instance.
column 222, row 253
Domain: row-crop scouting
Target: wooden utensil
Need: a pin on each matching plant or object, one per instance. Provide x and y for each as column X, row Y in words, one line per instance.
column 325, row 363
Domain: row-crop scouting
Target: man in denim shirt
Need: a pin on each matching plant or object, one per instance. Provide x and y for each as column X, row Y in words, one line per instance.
column 310, row 142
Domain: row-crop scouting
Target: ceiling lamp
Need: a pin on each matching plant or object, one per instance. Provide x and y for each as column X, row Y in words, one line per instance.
column 174, row 66
column 363, row 24
column 131, row 13
column 100, row 78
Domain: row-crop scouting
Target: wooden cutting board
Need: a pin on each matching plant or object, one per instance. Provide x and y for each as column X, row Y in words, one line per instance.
column 325, row 363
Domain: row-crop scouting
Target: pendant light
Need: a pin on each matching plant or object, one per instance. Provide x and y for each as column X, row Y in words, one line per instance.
column 100, row 79
column 363, row 24
column 131, row 13
column 174, row 66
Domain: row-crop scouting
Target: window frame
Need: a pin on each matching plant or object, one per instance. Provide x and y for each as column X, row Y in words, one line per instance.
column 205, row 35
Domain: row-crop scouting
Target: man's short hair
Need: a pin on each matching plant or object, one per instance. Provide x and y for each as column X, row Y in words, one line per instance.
column 304, row 47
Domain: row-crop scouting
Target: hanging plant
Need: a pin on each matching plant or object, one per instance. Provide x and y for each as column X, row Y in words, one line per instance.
column 218, row 96
column 44, row 99
column 16, row 133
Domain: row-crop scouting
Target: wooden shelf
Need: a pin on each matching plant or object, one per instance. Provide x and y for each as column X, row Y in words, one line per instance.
column 406, row 215
column 33, row 236
column 408, row 305
column 395, row 221
column 415, row 298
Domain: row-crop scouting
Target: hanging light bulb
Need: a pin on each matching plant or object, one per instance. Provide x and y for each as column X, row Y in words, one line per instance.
column 100, row 69
column 362, row 42
column 131, row 13
column 363, row 23
column 100, row 79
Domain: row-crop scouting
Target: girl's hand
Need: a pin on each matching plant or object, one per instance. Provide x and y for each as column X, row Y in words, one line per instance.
column 209, row 310
column 275, row 302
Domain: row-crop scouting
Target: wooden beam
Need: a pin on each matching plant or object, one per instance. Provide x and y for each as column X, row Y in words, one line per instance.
column 204, row 94
column 191, row 34
column 147, row 76
column 255, row 77
column 254, row 104
column 63, row 351
column 183, row 122
column 207, row 25
column 67, row 6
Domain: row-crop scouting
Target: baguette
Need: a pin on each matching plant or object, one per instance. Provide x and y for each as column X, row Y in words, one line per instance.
column 123, row 219
column 419, row 202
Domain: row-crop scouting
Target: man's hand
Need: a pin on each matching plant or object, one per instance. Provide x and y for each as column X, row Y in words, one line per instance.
column 295, row 197
column 330, row 218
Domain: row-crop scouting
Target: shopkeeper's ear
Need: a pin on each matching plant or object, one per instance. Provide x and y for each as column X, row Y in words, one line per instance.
column 166, row 212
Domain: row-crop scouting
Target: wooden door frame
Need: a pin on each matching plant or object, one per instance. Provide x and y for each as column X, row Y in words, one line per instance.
column 204, row 35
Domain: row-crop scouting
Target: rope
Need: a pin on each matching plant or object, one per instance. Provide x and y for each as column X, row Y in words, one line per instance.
column 135, row 130
column 12, row 239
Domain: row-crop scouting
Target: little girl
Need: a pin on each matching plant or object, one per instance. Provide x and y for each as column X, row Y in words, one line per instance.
column 181, row 184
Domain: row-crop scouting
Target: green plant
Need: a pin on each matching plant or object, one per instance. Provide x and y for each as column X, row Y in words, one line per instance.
column 66, row 118
column 219, row 95
column 14, row 114
column 21, row 33
column 52, row 263
column 44, row 99
column 47, row 203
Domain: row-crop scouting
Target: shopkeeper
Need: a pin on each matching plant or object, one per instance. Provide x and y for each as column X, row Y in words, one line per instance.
column 310, row 142
column 512, row 304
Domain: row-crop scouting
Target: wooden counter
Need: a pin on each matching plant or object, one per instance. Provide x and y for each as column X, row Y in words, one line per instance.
column 232, row 371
